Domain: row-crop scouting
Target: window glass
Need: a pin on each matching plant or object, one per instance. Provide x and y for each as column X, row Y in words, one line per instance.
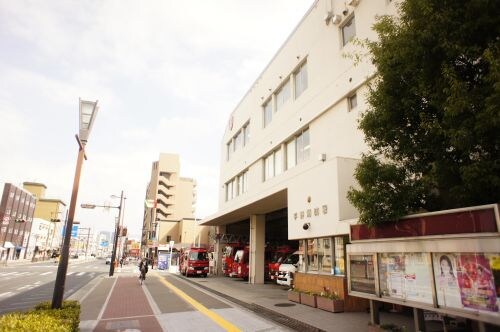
column 303, row 146
column 302, row 265
column 240, row 184
column 325, row 255
column 353, row 102
column 245, row 181
column 238, row 141
column 340, row 242
column 268, row 113
column 348, row 31
column 290, row 154
column 283, row 95
column 235, row 188
column 278, row 162
column 312, row 255
column 301, row 80
column 269, row 165
column 246, row 134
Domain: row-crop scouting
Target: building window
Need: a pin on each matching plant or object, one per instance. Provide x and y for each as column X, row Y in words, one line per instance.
column 273, row 164
column 325, row 255
column 246, row 134
column 301, row 80
column 242, row 183
column 303, row 146
column 352, row 102
column 312, row 255
column 348, row 31
column 340, row 243
column 268, row 113
column 283, row 95
column 269, row 167
column 290, row 154
column 238, row 140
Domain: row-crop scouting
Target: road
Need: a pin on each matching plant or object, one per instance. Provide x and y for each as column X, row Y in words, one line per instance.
column 24, row 286
column 164, row 302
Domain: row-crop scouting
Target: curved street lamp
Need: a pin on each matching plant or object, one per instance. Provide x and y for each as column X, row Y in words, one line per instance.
column 88, row 112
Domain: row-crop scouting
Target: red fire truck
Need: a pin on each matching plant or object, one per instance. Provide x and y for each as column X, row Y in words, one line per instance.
column 194, row 261
column 277, row 256
column 228, row 257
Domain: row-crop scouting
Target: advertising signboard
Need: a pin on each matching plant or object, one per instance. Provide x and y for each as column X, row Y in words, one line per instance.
column 362, row 274
column 406, row 276
column 467, row 280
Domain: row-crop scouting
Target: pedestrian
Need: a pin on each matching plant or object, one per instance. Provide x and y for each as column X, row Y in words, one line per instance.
column 121, row 262
column 143, row 268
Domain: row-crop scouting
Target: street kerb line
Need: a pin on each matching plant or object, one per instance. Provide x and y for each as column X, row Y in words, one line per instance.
column 151, row 301
column 107, row 300
column 201, row 308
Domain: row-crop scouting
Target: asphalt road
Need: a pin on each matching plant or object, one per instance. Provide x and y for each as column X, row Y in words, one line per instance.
column 24, row 286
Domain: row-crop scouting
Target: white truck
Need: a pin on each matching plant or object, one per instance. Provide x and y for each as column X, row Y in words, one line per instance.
column 288, row 269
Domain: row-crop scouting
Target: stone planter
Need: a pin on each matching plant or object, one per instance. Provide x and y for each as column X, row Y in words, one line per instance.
column 308, row 299
column 331, row 305
column 294, row 296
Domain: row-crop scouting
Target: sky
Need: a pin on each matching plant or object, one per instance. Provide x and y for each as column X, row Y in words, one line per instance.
column 167, row 75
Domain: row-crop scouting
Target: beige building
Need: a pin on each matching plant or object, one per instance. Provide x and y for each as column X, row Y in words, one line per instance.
column 49, row 219
column 169, row 214
column 292, row 143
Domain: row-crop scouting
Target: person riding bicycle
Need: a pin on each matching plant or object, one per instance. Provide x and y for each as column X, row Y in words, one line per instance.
column 143, row 268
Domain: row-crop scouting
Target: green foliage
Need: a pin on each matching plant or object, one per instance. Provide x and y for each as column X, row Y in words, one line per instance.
column 32, row 322
column 69, row 313
column 434, row 114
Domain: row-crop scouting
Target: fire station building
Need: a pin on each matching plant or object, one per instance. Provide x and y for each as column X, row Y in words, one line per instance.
column 291, row 145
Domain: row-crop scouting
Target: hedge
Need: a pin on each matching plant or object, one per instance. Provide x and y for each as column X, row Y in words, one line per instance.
column 43, row 319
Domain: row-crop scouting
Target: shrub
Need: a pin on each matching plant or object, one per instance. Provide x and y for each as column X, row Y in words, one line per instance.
column 33, row 321
column 69, row 314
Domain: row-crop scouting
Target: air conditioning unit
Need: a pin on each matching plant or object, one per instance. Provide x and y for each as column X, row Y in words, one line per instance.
column 353, row 3
column 336, row 19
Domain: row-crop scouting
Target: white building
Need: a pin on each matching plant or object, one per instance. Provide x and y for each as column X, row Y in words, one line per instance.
column 292, row 143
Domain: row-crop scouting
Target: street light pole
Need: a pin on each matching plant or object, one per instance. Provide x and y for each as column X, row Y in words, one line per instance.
column 88, row 112
column 117, row 226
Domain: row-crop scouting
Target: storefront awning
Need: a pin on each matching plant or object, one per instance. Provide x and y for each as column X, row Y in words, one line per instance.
column 8, row 245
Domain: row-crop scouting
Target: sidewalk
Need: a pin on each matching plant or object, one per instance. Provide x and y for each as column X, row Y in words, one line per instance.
column 114, row 305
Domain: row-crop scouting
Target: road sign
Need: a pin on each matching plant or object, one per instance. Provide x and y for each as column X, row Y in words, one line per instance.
column 88, row 206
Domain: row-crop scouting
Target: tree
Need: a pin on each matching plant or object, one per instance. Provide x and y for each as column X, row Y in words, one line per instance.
column 433, row 119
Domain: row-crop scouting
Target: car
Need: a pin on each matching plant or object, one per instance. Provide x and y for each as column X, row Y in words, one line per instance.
column 108, row 260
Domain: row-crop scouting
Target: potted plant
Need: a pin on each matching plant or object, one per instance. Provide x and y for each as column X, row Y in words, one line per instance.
column 308, row 298
column 330, row 301
column 293, row 295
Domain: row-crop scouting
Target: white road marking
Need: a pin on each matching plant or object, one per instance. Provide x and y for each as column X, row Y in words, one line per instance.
column 6, row 294
column 45, row 273
column 80, row 274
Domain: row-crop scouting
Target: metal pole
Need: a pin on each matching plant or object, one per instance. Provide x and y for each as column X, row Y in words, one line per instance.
column 117, row 226
column 87, row 247
column 62, row 269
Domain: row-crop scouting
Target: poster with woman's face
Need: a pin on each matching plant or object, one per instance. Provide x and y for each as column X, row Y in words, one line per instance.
column 447, row 288
column 465, row 281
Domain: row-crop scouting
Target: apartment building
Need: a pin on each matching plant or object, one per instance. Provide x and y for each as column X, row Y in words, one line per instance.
column 52, row 211
column 16, row 212
column 292, row 143
column 169, row 213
